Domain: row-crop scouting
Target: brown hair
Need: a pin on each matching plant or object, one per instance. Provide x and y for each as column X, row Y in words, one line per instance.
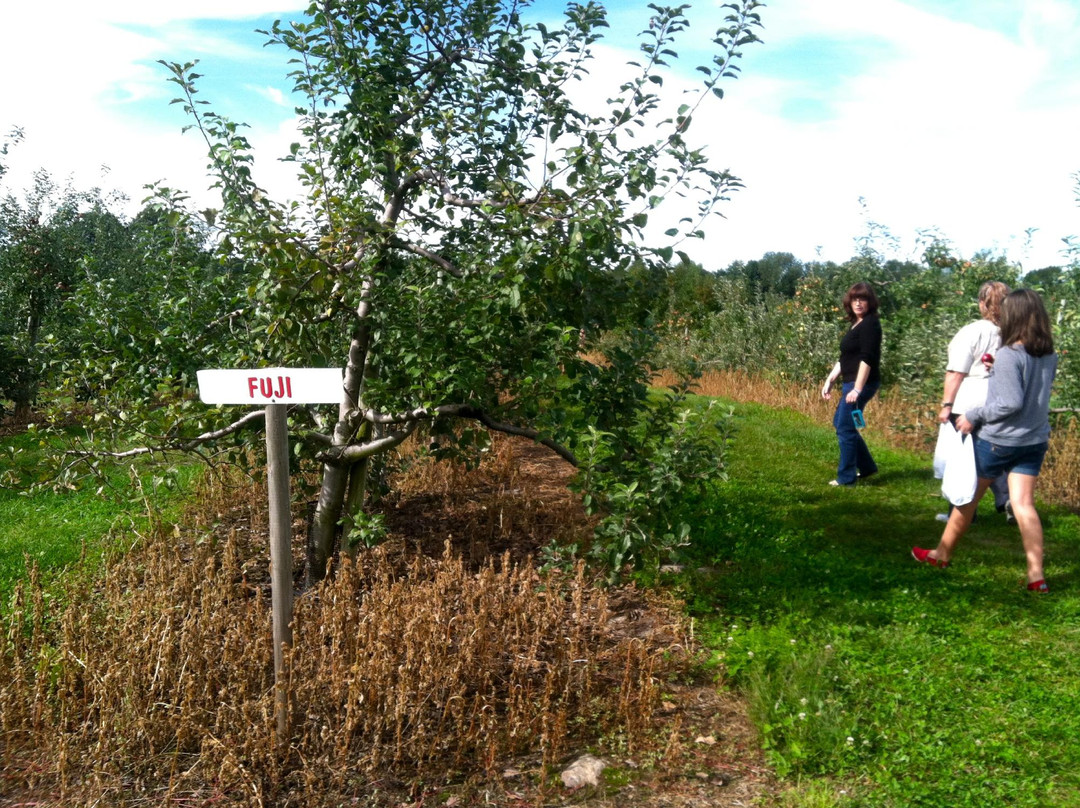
column 864, row 291
column 1024, row 320
column 991, row 294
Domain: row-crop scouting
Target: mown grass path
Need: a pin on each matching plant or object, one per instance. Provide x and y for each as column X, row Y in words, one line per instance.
column 54, row 529
column 878, row 681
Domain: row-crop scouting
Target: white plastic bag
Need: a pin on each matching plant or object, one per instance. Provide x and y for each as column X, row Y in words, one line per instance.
column 960, row 479
column 948, row 439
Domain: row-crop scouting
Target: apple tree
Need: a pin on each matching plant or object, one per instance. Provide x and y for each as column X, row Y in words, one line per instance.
column 466, row 191
column 50, row 236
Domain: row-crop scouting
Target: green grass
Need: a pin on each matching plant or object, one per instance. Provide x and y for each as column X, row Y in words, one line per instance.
column 55, row 529
column 873, row 679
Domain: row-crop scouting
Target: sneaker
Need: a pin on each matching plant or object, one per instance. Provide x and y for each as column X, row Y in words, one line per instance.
column 923, row 557
column 942, row 517
column 1010, row 518
column 840, row 484
column 1039, row 586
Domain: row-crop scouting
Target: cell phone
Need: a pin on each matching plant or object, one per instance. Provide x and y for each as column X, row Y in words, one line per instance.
column 857, row 417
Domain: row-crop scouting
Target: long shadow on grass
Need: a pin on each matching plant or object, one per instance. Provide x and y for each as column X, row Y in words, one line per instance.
column 847, row 556
column 784, row 541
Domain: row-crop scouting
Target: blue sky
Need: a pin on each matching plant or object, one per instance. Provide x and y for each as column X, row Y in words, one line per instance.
column 954, row 115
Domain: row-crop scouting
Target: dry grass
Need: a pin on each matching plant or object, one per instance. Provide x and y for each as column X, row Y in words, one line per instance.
column 899, row 422
column 1060, row 479
column 154, row 685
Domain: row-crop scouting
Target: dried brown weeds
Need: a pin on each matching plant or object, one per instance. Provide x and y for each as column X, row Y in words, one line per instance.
column 516, row 501
column 412, row 671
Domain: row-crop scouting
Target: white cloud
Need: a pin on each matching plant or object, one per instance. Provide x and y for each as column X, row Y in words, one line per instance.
column 938, row 122
column 272, row 94
column 942, row 133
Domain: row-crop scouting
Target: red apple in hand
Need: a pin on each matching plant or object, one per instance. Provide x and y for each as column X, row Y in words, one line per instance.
column 987, row 359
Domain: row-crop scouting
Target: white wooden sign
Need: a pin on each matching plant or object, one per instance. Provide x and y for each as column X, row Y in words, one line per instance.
column 263, row 386
column 274, row 389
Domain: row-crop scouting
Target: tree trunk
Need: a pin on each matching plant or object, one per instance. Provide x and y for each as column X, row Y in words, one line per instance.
column 354, row 502
column 335, row 482
column 324, row 525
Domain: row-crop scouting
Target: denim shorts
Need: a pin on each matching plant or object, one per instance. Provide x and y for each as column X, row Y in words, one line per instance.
column 992, row 459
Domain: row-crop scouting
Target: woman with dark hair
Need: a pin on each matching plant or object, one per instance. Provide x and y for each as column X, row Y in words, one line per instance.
column 859, row 369
column 967, row 373
column 1012, row 430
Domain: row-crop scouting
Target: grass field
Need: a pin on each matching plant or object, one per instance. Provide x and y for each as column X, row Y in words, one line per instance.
column 877, row 681
column 55, row 529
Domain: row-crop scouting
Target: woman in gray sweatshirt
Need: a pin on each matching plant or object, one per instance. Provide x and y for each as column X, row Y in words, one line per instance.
column 1011, row 431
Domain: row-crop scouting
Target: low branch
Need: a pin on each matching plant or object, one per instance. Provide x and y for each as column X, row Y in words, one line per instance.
column 472, row 413
column 484, row 202
column 179, row 446
column 520, row 431
column 434, row 257
column 396, row 203
column 419, row 413
column 358, row 451
column 232, row 315
column 310, row 436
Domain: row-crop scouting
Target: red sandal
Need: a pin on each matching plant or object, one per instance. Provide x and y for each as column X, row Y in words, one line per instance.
column 923, row 557
column 1039, row 586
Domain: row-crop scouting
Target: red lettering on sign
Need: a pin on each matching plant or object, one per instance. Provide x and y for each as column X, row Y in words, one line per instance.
column 269, row 387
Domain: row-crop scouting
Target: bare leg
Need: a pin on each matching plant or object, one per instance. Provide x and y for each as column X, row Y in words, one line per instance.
column 1022, row 497
column 959, row 521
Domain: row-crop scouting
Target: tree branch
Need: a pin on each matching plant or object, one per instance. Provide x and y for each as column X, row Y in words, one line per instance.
column 520, row 431
column 445, row 265
column 475, row 414
column 180, row 446
column 358, row 451
column 396, row 203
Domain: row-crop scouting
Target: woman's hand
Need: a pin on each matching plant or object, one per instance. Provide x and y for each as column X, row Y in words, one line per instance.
column 964, row 425
column 826, row 391
column 853, row 396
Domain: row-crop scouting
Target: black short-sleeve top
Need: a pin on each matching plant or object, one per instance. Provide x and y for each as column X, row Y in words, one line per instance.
column 862, row 343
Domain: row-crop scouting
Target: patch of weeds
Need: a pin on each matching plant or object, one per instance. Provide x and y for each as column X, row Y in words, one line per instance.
column 817, row 794
column 794, row 689
column 617, row 777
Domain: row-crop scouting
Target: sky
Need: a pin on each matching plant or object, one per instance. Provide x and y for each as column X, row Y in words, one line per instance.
column 958, row 118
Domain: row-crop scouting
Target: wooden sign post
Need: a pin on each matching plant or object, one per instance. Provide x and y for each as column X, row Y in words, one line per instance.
column 276, row 388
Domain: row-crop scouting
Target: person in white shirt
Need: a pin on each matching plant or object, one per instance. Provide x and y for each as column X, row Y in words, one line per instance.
column 967, row 374
column 1011, row 431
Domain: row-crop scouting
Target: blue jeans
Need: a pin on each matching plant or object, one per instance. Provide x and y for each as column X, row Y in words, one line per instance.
column 994, row 460
column 854, row 455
